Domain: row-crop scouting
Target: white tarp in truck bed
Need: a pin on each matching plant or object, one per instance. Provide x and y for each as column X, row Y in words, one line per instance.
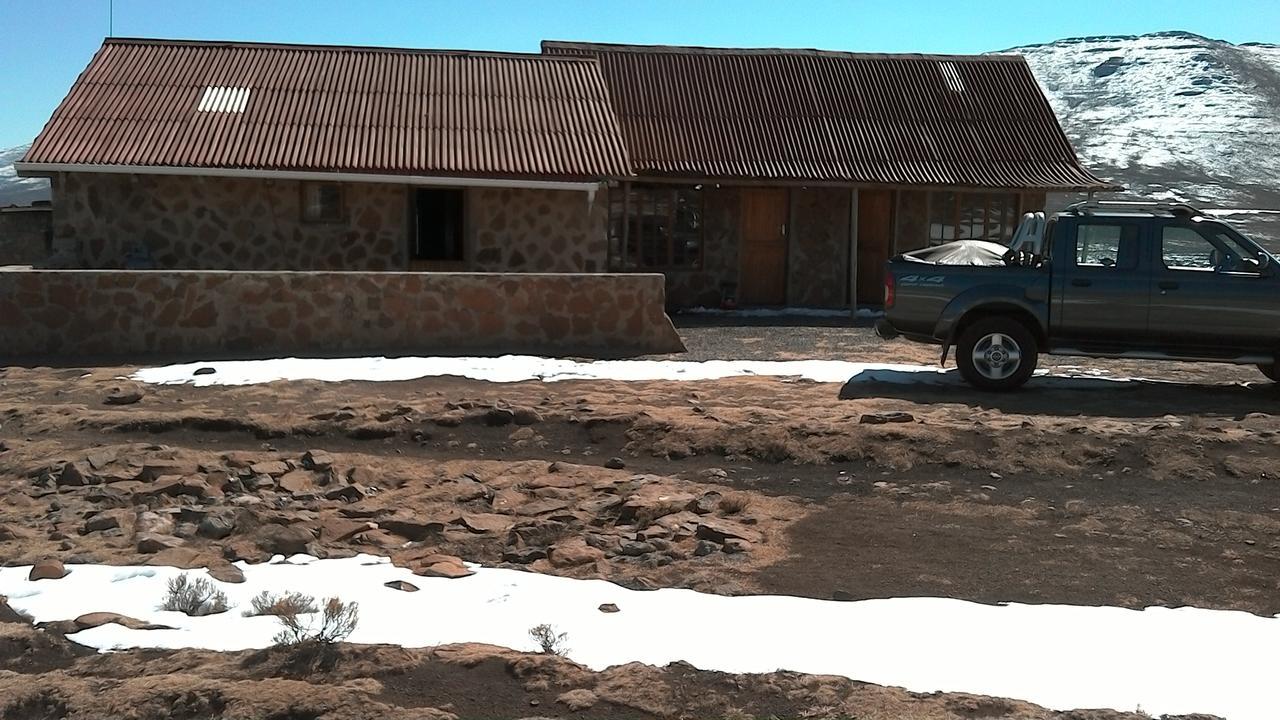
column 960, row 252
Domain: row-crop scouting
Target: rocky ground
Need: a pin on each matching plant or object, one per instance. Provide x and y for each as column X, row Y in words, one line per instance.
column 1146, row 495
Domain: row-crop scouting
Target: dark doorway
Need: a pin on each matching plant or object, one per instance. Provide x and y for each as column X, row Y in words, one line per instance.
column 437, row 235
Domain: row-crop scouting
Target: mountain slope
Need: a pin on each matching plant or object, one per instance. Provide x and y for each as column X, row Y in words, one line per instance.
column 15, row 190
column 1173, row 116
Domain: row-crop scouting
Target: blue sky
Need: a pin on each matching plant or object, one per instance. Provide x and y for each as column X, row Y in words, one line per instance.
column 46, row 43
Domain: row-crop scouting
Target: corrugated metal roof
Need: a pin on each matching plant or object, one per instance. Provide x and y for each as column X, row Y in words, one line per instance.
column 323, row 108
column 811, row 115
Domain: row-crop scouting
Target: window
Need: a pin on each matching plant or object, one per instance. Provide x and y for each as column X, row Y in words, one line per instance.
column 1106, row 246
column 1186, row 249
column 972, row 216
column 437, row 234
column 655, row 228
column 1205, row 248
column 322, row 202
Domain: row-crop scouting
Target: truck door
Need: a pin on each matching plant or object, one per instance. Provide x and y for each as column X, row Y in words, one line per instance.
column 1209, row 292
column 1101, row 295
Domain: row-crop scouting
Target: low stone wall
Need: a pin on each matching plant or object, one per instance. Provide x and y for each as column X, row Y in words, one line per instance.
column 71, row 314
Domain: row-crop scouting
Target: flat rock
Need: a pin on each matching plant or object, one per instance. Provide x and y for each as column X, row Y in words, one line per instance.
column 486, row 522
column 47, row 569
column 273, row 468
column 886, row 417
column 226, row 572
column 317, row 460
column 573, row 552
column 719, row 530
column 101, row 522
column 284, row 539
column 296, row 481
column 508, row 500
column 542, row 507
column 651, row 502
column 123, row 395
column 443, row 566
column 412, row 529
column 608, row 608
column 154, row 542
column 336, row 529
column 97, row 619
column 401, row 585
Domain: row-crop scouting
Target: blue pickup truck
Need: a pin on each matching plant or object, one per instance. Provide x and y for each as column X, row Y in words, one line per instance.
column 1100, row 279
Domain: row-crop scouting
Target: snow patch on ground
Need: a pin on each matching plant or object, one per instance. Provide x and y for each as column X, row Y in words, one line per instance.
column 520, row 368
column 1063, row 657
column 508, row 368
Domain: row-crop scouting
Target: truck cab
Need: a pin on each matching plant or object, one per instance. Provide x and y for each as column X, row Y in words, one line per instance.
column 1099, row 279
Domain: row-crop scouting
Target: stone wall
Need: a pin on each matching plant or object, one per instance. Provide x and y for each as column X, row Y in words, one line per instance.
column 73, row 314
column 24, row 235
column 530, row 230
column 818, row 252
column 180, row 222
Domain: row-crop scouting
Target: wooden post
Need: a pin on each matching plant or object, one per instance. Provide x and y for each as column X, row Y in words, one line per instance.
column 853, row 253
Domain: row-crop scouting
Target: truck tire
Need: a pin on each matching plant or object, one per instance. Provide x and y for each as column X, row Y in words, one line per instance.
column 996, row 353
column 1272, row 372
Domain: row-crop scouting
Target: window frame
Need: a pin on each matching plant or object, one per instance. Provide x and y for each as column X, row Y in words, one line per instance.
column 626, row 251
column 965, row 204
column 1128, row 254
column 339, row 218
column 1210, row 232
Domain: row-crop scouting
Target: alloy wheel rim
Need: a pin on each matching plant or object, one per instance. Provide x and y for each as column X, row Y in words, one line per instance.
column 997, row 356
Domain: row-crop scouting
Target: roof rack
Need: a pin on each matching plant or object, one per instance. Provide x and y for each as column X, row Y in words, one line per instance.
column 1089, row 207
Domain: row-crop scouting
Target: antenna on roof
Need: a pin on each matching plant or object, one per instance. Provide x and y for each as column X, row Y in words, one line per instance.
column 111, row 18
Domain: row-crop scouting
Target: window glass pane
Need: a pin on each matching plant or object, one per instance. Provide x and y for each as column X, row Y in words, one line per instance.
column 617, row 254
column 1184, row 248
column 942, row 213
column 1239, row 257
column 687, row 245
column 1097, row 245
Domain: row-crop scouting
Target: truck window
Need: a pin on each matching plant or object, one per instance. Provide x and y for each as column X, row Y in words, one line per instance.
column 1100, row 245
column 1205, row 248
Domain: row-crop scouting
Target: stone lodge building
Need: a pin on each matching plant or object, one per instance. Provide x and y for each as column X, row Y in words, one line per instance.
column 758, row 177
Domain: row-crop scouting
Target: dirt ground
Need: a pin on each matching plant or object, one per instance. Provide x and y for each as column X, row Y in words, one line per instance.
column 1151, row 494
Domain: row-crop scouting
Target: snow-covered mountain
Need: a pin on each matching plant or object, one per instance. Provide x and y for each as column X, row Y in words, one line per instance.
column 16, row 190
column 1174, row 116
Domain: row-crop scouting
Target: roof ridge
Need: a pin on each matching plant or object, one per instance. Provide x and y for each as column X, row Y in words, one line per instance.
column 336, row 48
column 810, row 52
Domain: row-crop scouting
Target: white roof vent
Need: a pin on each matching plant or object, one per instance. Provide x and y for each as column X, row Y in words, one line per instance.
column 224, row 99
column 951, row 76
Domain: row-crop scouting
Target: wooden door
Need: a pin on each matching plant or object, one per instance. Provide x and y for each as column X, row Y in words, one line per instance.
column 764, row 247
column 875, row 238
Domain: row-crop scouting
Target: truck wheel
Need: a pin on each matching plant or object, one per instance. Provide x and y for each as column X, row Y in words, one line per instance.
column 996, row 354
column 1272, row 372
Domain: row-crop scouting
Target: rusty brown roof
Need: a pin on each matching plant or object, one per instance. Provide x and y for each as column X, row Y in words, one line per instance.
column 326, row 108
column 811, row 115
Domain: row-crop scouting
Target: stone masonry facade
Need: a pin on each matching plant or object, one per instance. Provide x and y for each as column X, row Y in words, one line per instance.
column 171, row 222
column 198, row 223
column 70, row 314
column 530, row 230
column 818, row 249
column 25, row 234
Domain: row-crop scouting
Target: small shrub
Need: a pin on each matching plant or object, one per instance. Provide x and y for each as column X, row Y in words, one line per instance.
column 194, row 597
column 549, row 641
column 734, row 503
column 336, row 621
column 290, row 603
